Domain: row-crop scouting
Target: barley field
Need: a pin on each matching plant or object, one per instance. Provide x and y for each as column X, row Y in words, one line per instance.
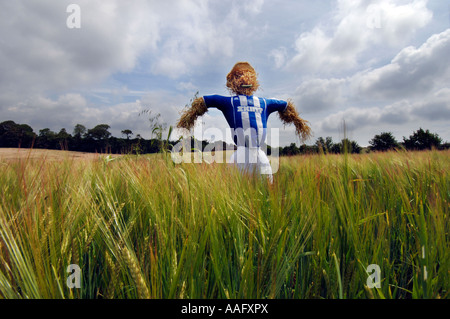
column 145, row 227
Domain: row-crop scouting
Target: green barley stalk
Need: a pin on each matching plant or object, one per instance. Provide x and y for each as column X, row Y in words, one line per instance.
column 144, row 227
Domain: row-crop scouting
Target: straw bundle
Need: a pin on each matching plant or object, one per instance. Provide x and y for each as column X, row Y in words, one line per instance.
column 189, row 115
column 290, row 115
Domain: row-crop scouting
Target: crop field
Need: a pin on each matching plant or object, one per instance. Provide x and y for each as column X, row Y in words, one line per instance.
column 330, row 226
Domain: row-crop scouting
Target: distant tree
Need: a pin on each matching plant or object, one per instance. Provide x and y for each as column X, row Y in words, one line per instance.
column 267, row 147
column 98, row 137
column 64, row 139
column 291, row 150
column 6, row 126
column 26, row 135
column 336, row 148
column 445, row 146
column 307, row 149
column 383, row 142
column 324, row 144
column 347, row 146
column 63, row 133
column 79, row 131
column 16, row 135
column 47, row 139
column 99, row 132
column 127, row 133
column 355, row 148
column 421, row 140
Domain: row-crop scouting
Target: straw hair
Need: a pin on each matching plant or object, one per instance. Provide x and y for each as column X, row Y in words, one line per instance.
column 241, row 66
column 190, row 115
column 290, row 115
column 241, row 76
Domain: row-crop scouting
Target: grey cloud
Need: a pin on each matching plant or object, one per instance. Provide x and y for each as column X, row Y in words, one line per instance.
column 434, row 108
column 319, row 94
column 354, row 118
column 39, row 53
column 70, row 109
column 413, row 72
column 41, row 112
column 397, row 113
column 434, row 111
column 358, row 118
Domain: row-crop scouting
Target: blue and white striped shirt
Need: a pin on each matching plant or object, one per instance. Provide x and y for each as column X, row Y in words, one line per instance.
column 246, row 115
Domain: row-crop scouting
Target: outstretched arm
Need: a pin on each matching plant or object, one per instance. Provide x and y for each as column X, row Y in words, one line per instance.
column 188, row 116
column 290, row 115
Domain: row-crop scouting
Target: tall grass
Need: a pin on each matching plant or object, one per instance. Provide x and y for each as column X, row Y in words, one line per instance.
column 143, row 227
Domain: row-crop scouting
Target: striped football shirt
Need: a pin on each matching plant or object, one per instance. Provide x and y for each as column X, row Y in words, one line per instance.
column 246, row 115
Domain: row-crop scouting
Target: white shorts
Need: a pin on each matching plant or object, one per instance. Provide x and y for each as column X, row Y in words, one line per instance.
column 252, row 160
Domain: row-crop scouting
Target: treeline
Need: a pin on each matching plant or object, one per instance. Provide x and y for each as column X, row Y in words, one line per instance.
column 419, row 140
column 99, row 139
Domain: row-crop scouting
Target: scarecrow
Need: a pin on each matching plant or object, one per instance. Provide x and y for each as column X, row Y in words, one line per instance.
column 247, row 116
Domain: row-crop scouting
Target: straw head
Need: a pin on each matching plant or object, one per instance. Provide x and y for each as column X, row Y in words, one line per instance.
column 242, row 79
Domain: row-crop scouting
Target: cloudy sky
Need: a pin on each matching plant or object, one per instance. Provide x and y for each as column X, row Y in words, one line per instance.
column 377, row 65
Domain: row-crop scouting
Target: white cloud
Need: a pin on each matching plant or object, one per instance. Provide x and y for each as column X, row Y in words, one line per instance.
column 398, row 22
column 191, row 34
column 253, row 6
column 414, row 71
column 355, row 27
column 187, row 86
column 170, row 66
column 279, row 56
